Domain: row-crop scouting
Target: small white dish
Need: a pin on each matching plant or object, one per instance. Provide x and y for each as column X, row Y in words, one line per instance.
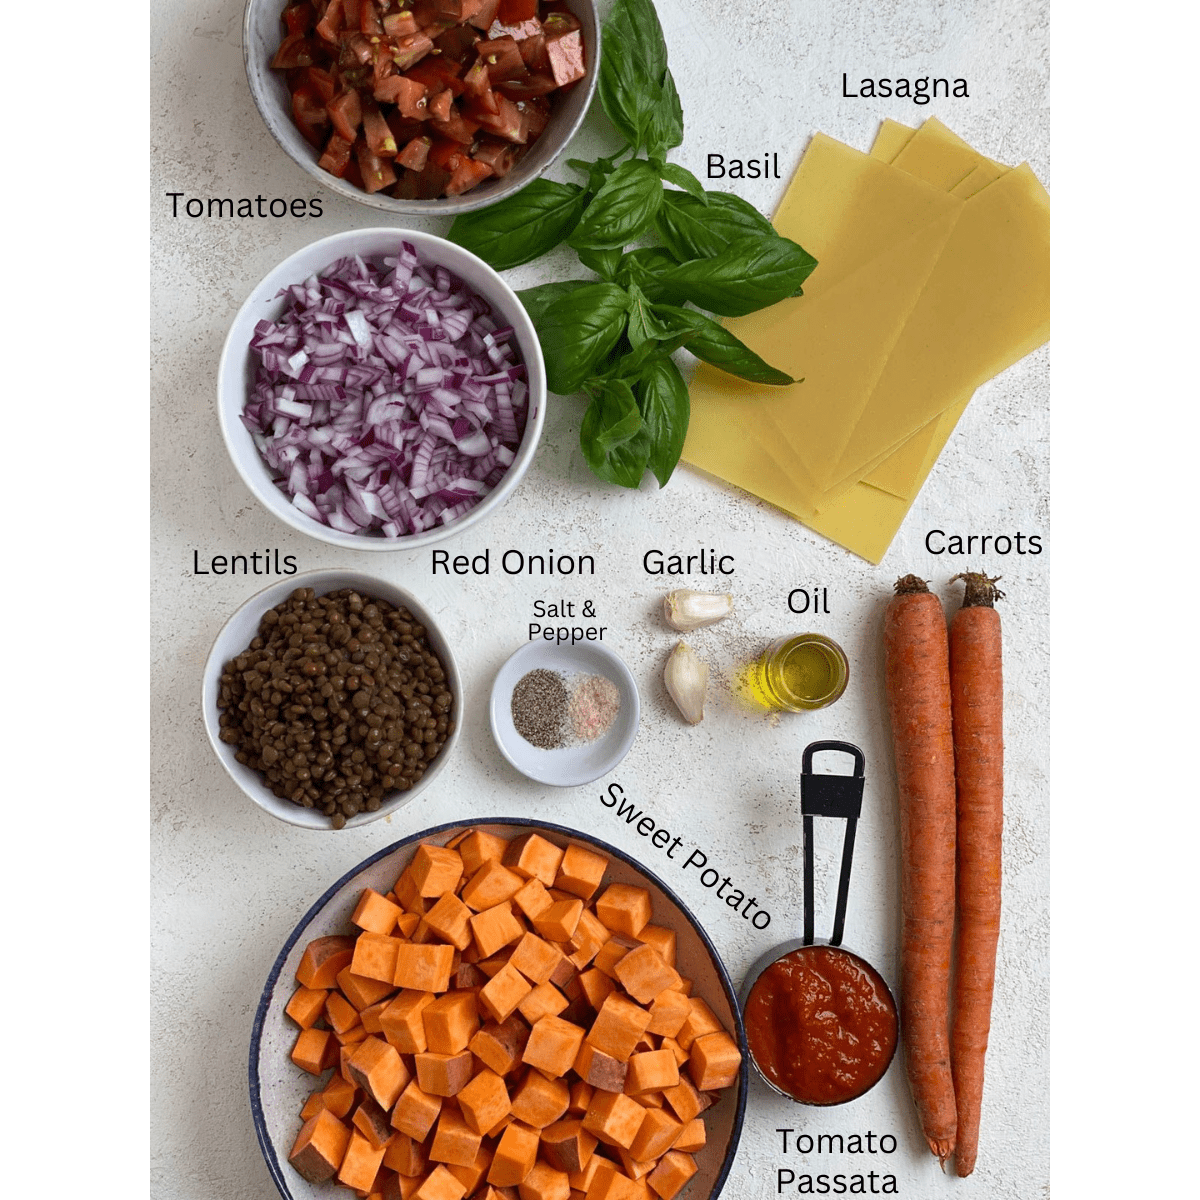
column 236, row 635
column 573, row 765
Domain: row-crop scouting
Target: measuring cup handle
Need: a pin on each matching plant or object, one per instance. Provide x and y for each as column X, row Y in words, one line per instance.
column 860, row 760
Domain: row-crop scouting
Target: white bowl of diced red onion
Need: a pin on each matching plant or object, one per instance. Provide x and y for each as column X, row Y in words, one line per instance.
column 382, row 389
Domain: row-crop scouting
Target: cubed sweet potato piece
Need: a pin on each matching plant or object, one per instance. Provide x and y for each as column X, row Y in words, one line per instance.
column 375, row 913
column 315, row 1050
column 545, row 1182
column 402, row 1022
column 435, row 870
column 416, row 1111
column 454, row 1141
column 406, row 1156
column 479, row 847
column 501, row 995
column 500, row 1045
column 668, row 1013
column 560, row 920
column 544, row 1001
column 407, row 923
column 339, row 1095
column 306, row 1006
column 322, row 960
column 614, row 1118
column 624, row 908
column 567, row 1145
column 372, row 1122
column 618, row 1026
column 656, row 1135
column 484, row 1101
column 408, row 894
column 580, row 872
column 652, row 1071
column 492, row 884
column 539, row 1101
column 553, row 1044
column 320, row 1147
column 360, row 1164
column 535, row 958
column 495, row 928
column 532, row 898
column 600, row 1070
column 340, row 1013
column 532, row 857
column 685, row 1101
column 608, row 1181
column 713, row 1061
column 440, row 1185
column 370, row 1016
column 471, row 1174
column 443, row 1074
column 361, row 991
column 515, row 1155
column 377, row 1067
column 700, row 1020
column 637, row 1169
column 644, row 975
column 449, row 918
column 597, row 987
column 450, row 1022
column 693, row 1137
column 672, row 1172
column 662, row 939
column 581, row 1097
column 425, row 968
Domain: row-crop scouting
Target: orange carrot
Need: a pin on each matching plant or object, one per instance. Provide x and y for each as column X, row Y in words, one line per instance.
column 977, row 702
column 916, row 661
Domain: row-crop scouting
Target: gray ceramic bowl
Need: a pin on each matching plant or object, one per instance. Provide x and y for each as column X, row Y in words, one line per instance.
column 278, row 1088
column 262, row 31
column 236, row 635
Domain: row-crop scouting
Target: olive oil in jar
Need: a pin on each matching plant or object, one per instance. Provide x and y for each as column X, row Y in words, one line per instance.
column 797, row 674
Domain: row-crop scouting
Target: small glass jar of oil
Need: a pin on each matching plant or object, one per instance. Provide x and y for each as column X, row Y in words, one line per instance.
column 799, row 674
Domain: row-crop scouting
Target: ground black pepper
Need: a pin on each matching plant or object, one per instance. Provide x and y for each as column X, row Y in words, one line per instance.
column 539, row 709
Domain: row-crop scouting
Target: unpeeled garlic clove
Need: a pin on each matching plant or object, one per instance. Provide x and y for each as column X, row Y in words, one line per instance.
column 686, row 678
column 686, row 610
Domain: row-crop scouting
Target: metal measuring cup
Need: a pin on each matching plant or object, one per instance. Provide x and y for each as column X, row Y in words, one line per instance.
column 838, row 797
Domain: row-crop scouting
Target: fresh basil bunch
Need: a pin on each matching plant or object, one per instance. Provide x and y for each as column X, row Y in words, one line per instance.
column 614, row 338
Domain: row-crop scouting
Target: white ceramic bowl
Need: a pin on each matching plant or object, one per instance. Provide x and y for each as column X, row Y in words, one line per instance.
column 242, row 627
column 569, row 766
column 262, row 31
column 278, row 1088
column 236, row 373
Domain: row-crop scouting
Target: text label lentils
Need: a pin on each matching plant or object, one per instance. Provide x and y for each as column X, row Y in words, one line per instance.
column 339, row 702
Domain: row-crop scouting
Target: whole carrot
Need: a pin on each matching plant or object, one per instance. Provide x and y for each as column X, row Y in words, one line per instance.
column 977, row 704
column 917, row 671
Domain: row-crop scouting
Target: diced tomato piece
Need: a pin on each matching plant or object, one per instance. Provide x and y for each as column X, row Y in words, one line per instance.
column 525, row 89
column 440, row 104
column 352, row 10
column 537, row 115
column 375, row 129
column 308, row 111
column 377, row 173
column 346, row 112
column 299, row 18
column 450, row 10
column 559, row 20
column 517, row 30
column 321, row 82
column 336, row 158
column 566, row 57
column 533, row 53
column 512, row 11
column 457, row 128
column 486, row 15
column 369, row 21
column 456, row 44
column 415, row 155
column 477, row 81
column 503, row 59
column 498, row 154
column 437, row 76
column 510, row 122
column 469, row 174
column 353, row 175
column 409, row 96
column 356, row 50
column 329, row 27
column 410, row 49
column 404, row 130
column 294, row 51
column 445, row 154
column 428, row 184
column 400, row 24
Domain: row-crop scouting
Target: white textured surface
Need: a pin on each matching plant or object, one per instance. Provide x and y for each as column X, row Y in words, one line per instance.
column 229, row 882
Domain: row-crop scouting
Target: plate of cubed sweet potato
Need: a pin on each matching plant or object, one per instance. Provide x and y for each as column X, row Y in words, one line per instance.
column 499, row 1010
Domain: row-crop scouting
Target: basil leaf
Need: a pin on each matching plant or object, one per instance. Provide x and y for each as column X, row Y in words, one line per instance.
column 636, row 89
column 537, row 300
column 622, row 209
column 577, row 328
column 663, row 399
column 612, row 437
column 747, row 275
column 681, row 177
column 524, row 226
column 644, row 326
column 711, row 341
column 643, row 267
column 691, row 229
column 603, row 262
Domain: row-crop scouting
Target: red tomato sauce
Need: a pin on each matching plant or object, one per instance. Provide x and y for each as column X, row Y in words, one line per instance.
column 821, row 1025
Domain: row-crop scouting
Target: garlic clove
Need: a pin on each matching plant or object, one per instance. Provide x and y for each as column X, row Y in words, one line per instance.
column 686, row 678
column 686, row 610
